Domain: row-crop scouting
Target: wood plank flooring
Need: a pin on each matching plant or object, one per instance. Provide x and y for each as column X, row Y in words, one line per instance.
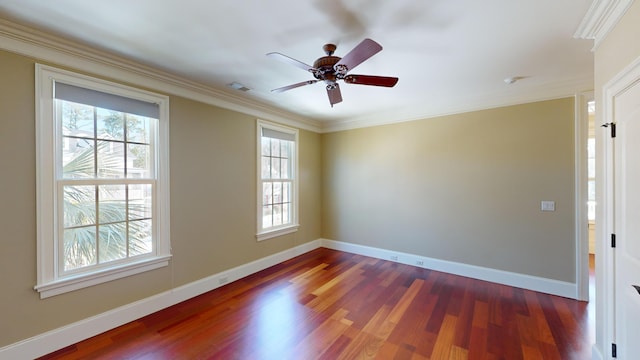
column 328, row 304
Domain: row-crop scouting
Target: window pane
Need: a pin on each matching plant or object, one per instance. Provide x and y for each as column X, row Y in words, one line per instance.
column 110, row 124
column 267, row 194
column 110, row 160
column 78, row 158
column 286, row 214
column 140, row 235
column 277, row 193
column 275, row 147
column 79, row 247
column 112, row 205
column 275, row 168
column 277, row 215
column 286, row 192
column 284, row 169
column 140, row 201
column 267, row 219
column 266, row 146
column 139, row 161
column 113, row 242
column 138, row 129
column 77, row 119
column 284, row 149
column 266, row 167
column 79, row 205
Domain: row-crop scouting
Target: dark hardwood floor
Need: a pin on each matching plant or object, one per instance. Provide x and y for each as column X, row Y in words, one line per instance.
column 328, row 304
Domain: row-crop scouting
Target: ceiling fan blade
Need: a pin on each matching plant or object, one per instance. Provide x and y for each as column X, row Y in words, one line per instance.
column 292, row 61
column 293, row 86
column 366, row 49
column 386, row 81
column 334, row 94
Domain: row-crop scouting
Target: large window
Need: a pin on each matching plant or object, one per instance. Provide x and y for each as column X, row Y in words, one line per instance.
column 277, row 184
column 102, row 181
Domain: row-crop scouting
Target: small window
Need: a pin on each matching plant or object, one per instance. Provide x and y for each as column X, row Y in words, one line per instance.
column 277, row 180
column 102, row 181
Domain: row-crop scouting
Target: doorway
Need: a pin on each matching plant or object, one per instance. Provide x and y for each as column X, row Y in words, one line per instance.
column 586, row 130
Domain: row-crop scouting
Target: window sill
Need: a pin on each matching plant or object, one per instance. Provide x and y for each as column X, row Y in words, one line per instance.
column 62, row 286
column 277, row 232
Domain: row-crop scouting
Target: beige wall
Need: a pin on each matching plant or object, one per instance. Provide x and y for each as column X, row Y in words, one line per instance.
column 213, row 216
column 464, row 188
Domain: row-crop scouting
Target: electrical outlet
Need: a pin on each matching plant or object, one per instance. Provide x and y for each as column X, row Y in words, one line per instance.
column 223, row 280
column 420, row 262
column 394, row 257
column 548, row 205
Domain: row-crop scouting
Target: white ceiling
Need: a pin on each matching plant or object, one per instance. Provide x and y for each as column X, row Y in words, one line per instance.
column 450, row 55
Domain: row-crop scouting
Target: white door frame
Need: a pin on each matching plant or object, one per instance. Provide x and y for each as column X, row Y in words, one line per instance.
column 605, row 274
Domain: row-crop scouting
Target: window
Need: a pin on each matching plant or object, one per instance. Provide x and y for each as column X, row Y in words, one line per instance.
column 277, row 180
column 103, row 200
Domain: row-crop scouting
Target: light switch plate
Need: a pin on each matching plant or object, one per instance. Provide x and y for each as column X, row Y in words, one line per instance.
column 548, row 205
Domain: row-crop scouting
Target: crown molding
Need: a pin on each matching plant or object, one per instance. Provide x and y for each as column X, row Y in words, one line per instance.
column 42, row 46
column 543, row 92
column 601, row 18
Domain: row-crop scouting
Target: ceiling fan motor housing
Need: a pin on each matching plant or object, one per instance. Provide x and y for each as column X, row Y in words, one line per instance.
column 324, row 65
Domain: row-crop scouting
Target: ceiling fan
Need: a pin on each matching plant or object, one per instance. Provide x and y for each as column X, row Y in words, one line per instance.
column 331, row 69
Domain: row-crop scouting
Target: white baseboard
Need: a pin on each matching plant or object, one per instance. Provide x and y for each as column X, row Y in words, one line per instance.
column 70, row 334
column 59, row 338
column 548, row 286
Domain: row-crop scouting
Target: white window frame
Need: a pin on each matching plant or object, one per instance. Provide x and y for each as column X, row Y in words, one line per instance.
column 274, row 231
column 51, row 280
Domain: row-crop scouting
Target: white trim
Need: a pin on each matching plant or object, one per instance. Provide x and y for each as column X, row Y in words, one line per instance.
column 39, row 45
column 277, row 232
column 486, row 103
column 64, row 285
column 549, row 286
column 605, row 275
column 601, row 18
column 70, row 334
column 580, row 176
